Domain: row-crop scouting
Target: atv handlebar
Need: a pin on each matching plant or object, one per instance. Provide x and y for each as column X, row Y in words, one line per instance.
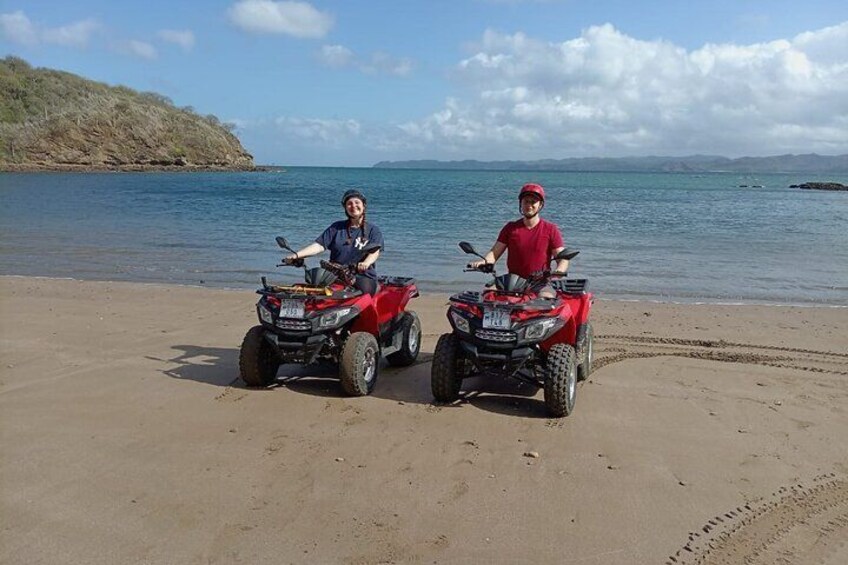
column 292, row 263
column 546, row 275
column 484, row 268
column 347, row 274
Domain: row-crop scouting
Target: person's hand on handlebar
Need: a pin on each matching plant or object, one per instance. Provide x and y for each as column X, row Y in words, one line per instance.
column 362, row 267
column 291, row 259
column 477, row 264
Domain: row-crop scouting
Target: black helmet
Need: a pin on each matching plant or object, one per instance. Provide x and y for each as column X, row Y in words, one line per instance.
column 353, row 193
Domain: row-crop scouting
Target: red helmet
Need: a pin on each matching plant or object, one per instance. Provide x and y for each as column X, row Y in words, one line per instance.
column 532, row 189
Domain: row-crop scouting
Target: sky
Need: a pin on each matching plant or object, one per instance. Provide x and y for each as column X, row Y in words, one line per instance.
column 355, row 82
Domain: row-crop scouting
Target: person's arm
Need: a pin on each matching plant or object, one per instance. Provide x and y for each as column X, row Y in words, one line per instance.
column 491, row 257
column 369, row 260
column 313, row 248
column 558, row 245
column 562, row 264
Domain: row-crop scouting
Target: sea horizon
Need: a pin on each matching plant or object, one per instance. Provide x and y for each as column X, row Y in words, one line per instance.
column 668, row 237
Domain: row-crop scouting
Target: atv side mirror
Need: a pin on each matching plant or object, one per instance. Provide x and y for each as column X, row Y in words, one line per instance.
column 567, row 254
column 468, row 248
column 281, row 241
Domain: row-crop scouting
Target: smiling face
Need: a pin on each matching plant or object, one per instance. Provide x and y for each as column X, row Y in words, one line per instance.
column 530, row 205
column 354, row 207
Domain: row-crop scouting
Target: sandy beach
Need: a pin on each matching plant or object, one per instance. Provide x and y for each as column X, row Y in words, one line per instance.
column 707, row 434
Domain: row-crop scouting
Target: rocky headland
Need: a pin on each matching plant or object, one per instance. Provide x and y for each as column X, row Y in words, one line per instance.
column 58, row 121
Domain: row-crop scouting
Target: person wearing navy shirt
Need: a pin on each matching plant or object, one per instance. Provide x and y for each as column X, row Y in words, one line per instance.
column 346, row 239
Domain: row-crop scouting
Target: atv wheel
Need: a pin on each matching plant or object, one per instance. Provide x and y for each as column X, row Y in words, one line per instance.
column 585, row 339
column 410, row 341
column 359, row 364
column 258, row 362
column 445, row 380
column 560, row 380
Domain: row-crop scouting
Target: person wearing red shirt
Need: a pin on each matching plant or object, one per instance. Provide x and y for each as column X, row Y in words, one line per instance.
column 531, row 242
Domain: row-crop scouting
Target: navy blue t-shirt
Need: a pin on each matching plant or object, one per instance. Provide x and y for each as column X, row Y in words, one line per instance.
column 346, row 245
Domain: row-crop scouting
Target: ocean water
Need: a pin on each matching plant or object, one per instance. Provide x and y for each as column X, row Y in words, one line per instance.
column 667, row 237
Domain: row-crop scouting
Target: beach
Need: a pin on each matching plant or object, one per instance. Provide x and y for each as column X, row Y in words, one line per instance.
column 707, row 434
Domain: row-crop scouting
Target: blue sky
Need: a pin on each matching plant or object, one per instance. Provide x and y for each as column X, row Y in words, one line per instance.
column 350, row 83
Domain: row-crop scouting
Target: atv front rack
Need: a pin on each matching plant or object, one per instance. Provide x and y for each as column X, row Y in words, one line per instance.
column 299, row 289
column 475, row 298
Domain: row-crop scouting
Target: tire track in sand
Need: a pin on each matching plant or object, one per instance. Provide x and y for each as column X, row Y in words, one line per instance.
column 626, row 347
column 797, row 525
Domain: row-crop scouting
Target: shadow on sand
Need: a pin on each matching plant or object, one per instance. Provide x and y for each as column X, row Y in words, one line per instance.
column 219, row 366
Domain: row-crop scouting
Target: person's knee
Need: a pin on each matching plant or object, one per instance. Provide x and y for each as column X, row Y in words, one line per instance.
column 547, row 292
column 366, row 284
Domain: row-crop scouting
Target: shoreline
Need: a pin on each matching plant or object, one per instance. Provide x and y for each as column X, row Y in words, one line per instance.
column 124, row 421
column 446, row 294
column 141, row 168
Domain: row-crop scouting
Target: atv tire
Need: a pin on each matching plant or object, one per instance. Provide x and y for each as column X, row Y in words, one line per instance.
column 258, row 362
column 359, row 364
column 585, row 341
column 560, row 380
column 445, row 380
column 410, row 341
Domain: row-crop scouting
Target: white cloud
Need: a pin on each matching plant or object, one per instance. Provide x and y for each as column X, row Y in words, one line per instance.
column 140, row 49
column 18, row 28
column 335, row 56
column 298, row 19
column 184, row 38
column 605, row 93
column 339, row 56
column 384, row 63
column 321, row 131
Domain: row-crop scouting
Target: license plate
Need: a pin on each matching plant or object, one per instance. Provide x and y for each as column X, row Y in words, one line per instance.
column 494, row 318
column 291, row 309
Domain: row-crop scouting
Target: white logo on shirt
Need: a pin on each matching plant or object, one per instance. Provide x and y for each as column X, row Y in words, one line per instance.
column 360, row 243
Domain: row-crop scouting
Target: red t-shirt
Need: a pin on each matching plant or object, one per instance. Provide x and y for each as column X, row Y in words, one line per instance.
column 530, row 250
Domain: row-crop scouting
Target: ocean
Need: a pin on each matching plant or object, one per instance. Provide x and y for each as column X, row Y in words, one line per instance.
column 671, row 237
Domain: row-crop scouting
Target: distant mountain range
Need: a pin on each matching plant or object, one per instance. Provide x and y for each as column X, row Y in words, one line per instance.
column 811, row 163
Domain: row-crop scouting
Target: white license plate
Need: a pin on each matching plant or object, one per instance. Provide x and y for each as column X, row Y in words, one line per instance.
column 494, row 318
column 291, row 309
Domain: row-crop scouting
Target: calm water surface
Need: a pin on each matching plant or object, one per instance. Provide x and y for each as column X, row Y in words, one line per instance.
column 671, row 237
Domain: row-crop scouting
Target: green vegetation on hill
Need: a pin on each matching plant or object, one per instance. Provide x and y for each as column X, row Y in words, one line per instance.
column 56, row 120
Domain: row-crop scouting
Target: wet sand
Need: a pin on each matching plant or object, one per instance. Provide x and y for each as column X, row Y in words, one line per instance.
column 707, row 434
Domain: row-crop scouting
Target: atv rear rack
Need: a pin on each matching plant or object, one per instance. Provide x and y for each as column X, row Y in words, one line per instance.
column 395, row 281
column 570, row 286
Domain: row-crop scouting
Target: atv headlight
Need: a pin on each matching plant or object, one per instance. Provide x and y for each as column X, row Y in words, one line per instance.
column 266, row 315
column 333, row 318
column 460, row 322
column 539, row 330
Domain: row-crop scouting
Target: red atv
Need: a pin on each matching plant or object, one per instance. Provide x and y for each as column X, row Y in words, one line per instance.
column 326, row 319
column 510, row 331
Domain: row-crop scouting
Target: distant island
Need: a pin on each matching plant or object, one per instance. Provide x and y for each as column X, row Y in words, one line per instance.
column 812, row 163
column 53, row 120
column 820, row 186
